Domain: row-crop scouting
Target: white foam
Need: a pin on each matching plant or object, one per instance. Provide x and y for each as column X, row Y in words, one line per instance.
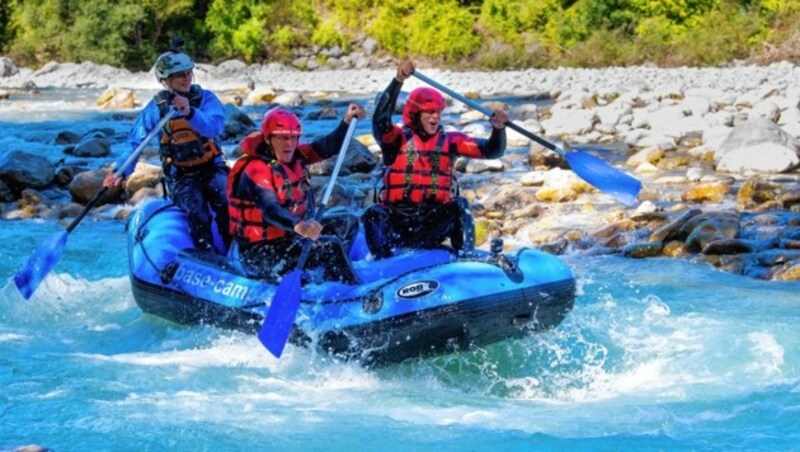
column 768, row 354
column 12, row 337
column 226, row 352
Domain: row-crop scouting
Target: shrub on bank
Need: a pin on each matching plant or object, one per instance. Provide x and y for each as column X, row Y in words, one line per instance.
column 493, row 34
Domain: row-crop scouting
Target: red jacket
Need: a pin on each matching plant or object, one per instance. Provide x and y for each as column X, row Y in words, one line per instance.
column 276, row 188
column 268, row 198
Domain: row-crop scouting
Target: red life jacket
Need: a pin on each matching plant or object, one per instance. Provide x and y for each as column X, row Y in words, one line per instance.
column 421, row 172
column 180, row 144
column 289, row 182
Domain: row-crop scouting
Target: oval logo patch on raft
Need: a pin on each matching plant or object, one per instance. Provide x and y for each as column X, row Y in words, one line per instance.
column 417, row 289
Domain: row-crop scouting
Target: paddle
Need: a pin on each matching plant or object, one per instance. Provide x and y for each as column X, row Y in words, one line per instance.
column 49, row 252
column 285, row 303
column 598, row 173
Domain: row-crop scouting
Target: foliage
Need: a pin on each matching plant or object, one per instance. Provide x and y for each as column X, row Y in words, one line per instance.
column 431, row 29
column 38, row 25
column 166, row 18
column 673, row 11
column 441, row 30
column 726, row 32
column 493, row 34
column 510, row 21
column 388, row 27
column 237, row 27
column 99, row 29
column 327, row 34
column 712, row 37
column 5, row 22
column 104, row 31
column 351, row 14
column 257, row 29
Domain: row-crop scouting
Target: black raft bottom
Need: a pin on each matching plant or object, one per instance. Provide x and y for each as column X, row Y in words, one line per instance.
column 477, row 322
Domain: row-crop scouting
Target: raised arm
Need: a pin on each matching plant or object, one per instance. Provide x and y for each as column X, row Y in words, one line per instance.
column 329, row 145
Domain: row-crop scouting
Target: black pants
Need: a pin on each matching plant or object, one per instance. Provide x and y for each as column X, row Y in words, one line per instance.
column 418, row 226
column 198, row 192
column 271, row 260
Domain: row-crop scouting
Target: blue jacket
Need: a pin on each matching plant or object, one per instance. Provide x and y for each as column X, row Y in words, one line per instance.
column 208, row 120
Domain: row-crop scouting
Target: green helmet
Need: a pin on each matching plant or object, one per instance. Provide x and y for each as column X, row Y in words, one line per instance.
column 171, row 63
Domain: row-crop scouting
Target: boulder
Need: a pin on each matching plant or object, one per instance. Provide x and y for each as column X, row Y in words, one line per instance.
column 20, row 170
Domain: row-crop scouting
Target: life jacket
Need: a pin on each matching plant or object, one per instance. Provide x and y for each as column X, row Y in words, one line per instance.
column 422, row 172
column 291, row 183
column 180, row 144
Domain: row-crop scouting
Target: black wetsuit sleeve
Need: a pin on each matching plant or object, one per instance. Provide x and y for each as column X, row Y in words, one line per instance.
column 267, row 201
column 382, row 122
column 496, row 144
column 330, row 144
column 384, row 108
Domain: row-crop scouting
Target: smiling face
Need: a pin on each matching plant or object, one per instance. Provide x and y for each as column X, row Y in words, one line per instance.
column 429, row 120
column 283, row 146
column 423, row 111
column 181, row 81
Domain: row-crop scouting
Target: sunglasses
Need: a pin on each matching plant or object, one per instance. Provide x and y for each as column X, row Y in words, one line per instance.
column 184, row 74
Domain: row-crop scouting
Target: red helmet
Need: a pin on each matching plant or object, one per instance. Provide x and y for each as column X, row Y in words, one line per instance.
column 280, row 122
column 421, row 99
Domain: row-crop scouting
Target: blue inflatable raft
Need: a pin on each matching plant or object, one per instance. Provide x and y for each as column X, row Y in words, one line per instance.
column 418, row 303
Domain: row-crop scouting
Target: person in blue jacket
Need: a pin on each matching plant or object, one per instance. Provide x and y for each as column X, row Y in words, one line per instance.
column 194, row 165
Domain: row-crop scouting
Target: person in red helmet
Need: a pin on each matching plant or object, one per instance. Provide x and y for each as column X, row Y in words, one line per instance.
column 269, row 201
column 416, row 206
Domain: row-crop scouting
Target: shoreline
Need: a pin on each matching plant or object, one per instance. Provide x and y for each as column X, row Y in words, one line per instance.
column 236, row 75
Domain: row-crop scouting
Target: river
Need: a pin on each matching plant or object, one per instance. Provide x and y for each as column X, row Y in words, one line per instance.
column 657, row 354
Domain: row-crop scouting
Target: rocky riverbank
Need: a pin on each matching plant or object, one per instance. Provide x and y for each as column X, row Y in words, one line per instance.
column 716, row 150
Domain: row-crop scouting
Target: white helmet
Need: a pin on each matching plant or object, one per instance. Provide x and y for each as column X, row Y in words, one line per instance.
column 171, row 63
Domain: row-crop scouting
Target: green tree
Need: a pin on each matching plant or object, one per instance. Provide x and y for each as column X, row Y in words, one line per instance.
column 165, row 19
column 100, row 30
column 492, row 33
column 125, row 33
column 511, row 20
column 442, row 30
column 673, row 11
column 388, row 27
column 6, row 9
column 257, row 29
column 38, row 26
column 237, row 27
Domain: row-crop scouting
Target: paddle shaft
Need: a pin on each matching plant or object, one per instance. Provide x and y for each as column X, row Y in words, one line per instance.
column 278, row 323
column 86, row 209
column 591, row 169
column 329, row 188
column 486, row 111
column 131, row 158
column 339, row 160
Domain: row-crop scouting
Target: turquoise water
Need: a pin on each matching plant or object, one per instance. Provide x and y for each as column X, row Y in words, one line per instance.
column 657, row 355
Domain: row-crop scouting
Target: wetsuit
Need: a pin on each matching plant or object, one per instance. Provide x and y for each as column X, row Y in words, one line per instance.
column 268, row 198
column 416, row 207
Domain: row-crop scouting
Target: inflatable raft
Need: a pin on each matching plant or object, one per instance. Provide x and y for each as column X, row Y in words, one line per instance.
column 418, row 303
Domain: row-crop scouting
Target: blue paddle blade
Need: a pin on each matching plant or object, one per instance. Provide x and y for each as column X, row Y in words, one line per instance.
column 619, row 184
column 281, row 314
column 39, row 264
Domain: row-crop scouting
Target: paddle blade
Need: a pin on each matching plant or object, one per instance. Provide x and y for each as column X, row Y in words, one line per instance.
column 619, row 184
column 39, row 264
column 281, row 314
